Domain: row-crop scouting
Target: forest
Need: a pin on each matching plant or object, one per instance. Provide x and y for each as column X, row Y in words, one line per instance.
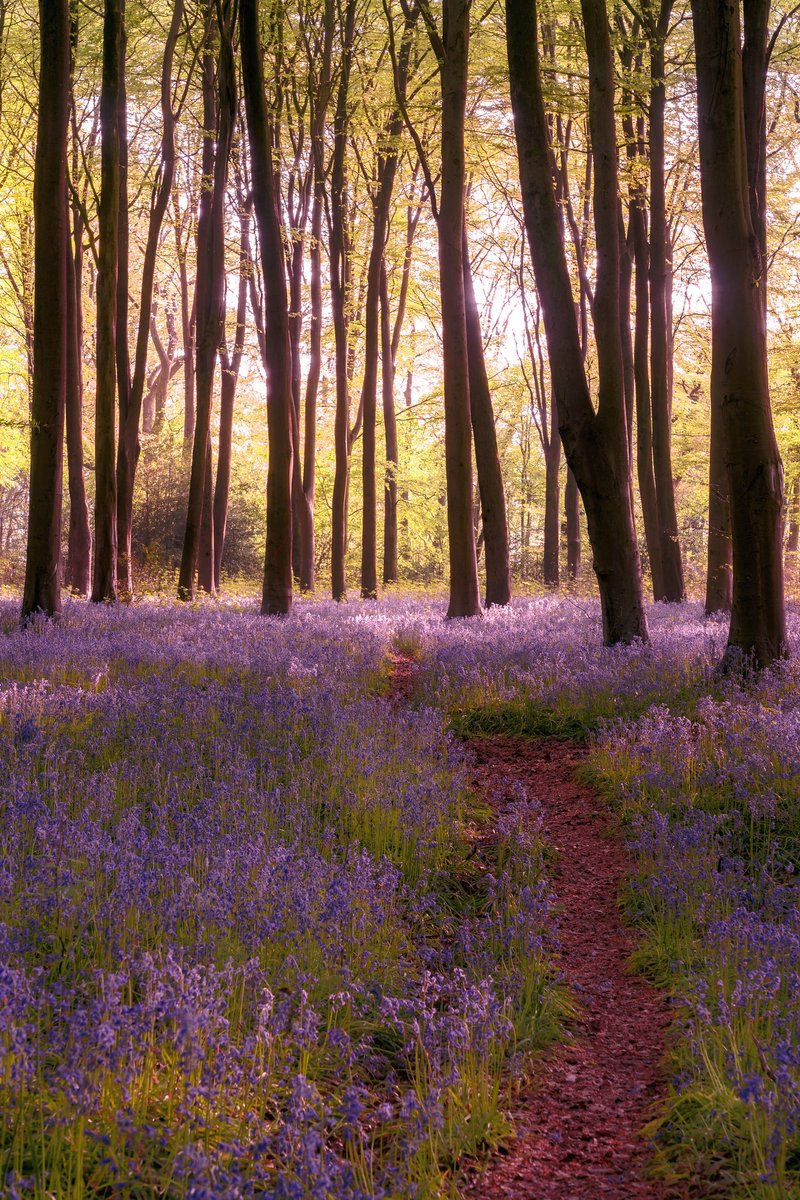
column 399, row 555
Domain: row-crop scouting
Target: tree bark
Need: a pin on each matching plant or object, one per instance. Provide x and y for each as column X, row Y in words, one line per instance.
column 338, row 247
column 572, row 510
column 739, row 384
column 205, row 564
column 381, row 205
column 78, row 570
column 552, row 468
column 277, row 593
column 793, row 540
column 128, row 447
column 595, row 444
column 231, row 364
column 641, row 366
column 42, row 591
column 464, row 591
column 187, row 336
column 487, row 458
column 78, row 574
column 219, row 113
column 671, row 566
column 719, row 568
column 390, row 432
column 307, row 540
column 105, row 522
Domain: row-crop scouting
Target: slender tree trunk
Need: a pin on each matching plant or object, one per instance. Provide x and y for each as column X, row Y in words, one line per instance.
column 386, row 174
column 595, row 444
column 464, row 592
column 277, row 594
column 230, row 375
column 105, row 521
column 719, row 571
column 673, row 589
column 131, row 398
column 389, row 360
column 51, row 231
column 487, row 458
column 390, row 430
column 122, row 348
column 308, row 563
column 295, row 262
column 210, row 290
column 626, row 339
column 641, row 364
column 78, row 575
column 793, row 540
column 205, row 564
column 339, row 285
column 78, row 572
column 552, row 468
column 740, row 384
column 572, row 510
column 187, row 335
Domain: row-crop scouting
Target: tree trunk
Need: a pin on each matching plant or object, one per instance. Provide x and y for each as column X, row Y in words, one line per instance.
column 277, row 593
column 641, row 367
column 793, row 540
column 673, row 589
column 78, row 574
column 219, row 113
column 42, row 566
column 595, row 444
column 338, row 248
column 390, row 431
column 552, row 468
column 487, row 459
column 739, row 378
column 131, row 400
column 719, row 570
column 308, row 549
column 386, row 173
column 572, row 510
column 464, row 591
column 205, row 563
column 105, row 521
column 231, row 364
column 297, row 236
column 187, row 335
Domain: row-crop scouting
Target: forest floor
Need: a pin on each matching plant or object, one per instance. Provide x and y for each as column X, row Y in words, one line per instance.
column 578, row 1125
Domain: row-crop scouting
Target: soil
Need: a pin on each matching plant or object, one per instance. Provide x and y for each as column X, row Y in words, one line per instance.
column 578, row 1122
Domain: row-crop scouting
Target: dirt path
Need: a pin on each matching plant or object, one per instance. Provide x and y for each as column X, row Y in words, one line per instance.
column 577, row 1124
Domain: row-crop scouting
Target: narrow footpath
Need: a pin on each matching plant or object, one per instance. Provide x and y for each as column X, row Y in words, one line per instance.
column 578, row 1122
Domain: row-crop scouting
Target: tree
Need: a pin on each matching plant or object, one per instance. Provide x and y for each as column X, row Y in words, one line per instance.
column 490, row 477
column 51, row 230
column 386, row 171
column 595, row 443
column 739, row 379
column 230, row 363
column 451, row 49
column 338, row 244
column 111, row 99
column 131, row 400
column 78, row 571
column 277, row 592
column 670, row 563
column 219, row 116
